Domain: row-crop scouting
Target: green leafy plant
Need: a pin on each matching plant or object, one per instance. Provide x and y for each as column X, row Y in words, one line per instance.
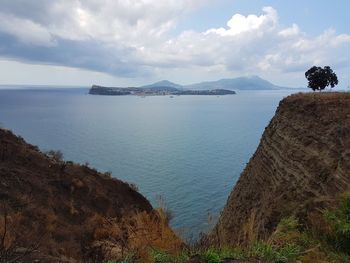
column 211, row 256
column 232, row 253
column 263, row 250
column 339, row 220
column 288, row 253
column 161, row 256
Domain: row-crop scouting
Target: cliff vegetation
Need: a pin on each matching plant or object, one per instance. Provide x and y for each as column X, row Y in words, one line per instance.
column 53, row 210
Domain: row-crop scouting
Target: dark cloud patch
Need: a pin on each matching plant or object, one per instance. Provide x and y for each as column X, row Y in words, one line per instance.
column 91, row 55
column 38, row 10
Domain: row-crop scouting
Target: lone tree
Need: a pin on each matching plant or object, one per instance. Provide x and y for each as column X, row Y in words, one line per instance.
column 320, row 78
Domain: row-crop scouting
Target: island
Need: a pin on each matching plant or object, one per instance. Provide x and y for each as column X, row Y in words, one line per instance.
column 154, row 91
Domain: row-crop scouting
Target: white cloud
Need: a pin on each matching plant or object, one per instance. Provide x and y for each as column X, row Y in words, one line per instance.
column 255, row 45
column 239, row 23
column 133, row 38
column 290, row 31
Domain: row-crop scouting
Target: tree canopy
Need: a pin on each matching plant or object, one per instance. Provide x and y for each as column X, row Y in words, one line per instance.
column 320, row 78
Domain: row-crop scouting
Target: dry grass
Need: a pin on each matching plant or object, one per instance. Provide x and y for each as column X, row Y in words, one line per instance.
column 135, row 235
column 151, row 232
column 248, row 228
column 13, row 238
column 321, row 95
column 85, row 216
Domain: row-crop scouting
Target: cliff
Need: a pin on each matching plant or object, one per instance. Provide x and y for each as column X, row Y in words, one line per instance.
column 57, row 211
column 300, row 166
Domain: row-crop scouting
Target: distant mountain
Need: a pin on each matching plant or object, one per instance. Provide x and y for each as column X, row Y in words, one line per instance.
column 241, row 83
column 161, row 85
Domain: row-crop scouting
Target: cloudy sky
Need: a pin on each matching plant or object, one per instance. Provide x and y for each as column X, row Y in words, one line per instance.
column 132, row 42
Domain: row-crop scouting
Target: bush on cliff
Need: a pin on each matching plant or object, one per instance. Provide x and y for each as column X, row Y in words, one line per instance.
column 55, row 155
column 320, row 78
column 339, row 220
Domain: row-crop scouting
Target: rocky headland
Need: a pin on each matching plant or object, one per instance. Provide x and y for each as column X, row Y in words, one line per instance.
column 301, row 164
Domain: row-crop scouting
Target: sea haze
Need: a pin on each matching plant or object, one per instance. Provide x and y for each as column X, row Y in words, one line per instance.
column 189, row 149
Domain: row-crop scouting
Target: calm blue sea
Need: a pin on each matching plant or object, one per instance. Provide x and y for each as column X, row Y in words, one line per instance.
column 189, row 149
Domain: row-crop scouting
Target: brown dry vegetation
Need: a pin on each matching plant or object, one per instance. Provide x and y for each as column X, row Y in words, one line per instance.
column 60, row 211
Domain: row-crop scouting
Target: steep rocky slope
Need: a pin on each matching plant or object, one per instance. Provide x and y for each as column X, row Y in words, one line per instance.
column 300, row 166
column 59, row 211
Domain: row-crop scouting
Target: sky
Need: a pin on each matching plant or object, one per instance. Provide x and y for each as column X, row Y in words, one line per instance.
column 136, row 42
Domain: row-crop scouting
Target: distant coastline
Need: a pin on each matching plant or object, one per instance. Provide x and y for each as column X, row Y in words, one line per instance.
column 166, row 87
column 154, row 91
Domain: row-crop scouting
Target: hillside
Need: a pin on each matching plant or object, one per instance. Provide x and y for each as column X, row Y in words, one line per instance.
column 300, row 167
column 163, row 83
column 241, row 83
column 57, row 211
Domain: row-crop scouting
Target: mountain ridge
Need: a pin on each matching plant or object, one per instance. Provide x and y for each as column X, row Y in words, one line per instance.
column 163, row 83
column 240, row 83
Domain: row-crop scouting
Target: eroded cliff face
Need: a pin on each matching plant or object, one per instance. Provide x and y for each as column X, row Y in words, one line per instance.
column 57, row 211
column 301, row 164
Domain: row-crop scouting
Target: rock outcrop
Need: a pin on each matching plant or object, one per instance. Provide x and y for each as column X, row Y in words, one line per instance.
column 301, row 164
column 57, row 211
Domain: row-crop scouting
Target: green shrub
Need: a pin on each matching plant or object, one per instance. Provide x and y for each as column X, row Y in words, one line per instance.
column 232, row 253
column 263, row 250
column 288, row 224
column 288, row 253
column 339, row 220
column 162, row 257
column 213, row 255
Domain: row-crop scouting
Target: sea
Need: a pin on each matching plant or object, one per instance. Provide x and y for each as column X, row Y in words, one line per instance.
column 184, row 152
